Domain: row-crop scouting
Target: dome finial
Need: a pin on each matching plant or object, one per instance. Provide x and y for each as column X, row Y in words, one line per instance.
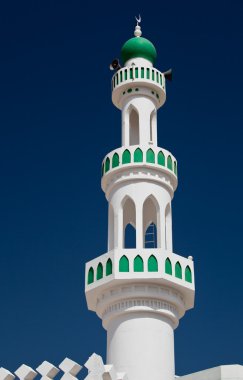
column 137, row 31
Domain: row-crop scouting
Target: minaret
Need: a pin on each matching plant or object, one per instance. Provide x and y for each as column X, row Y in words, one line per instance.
column 140, row 293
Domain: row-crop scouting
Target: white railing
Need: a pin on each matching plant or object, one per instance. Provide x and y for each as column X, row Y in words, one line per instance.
column 133, row 73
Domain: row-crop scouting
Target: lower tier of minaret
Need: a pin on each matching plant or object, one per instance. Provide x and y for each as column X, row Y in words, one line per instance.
column 142, row 346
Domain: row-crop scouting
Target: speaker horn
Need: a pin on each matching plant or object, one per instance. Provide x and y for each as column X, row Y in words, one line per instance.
column 168, row 74
column 115, row 65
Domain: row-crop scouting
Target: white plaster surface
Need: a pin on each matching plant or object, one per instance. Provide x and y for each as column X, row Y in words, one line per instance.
column 224, row 372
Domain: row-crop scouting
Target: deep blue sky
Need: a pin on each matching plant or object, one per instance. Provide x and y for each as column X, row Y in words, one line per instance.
column 57, row 123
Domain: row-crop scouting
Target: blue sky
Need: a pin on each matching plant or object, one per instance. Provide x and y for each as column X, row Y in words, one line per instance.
column 57, row 123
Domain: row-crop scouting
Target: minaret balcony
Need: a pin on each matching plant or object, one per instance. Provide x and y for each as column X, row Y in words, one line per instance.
column 138, row 80
column 123, row 267
column 135, row 161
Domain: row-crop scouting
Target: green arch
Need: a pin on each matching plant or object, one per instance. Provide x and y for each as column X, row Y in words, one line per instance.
column 90, row 275
column 107, row 164
column 175, row 167
column 126, row 157
column 99, row 273
column 108, row 267
column 138, row 155
column 188, row 274
column 150, row 156
column 168, row 266
column 178, row 271
column 124, row 264
column 115, row 160
column 161, row 158
column 152, row 264
column 138, row 264
column 169, row 162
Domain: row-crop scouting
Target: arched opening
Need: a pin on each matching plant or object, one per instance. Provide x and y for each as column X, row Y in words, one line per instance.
column 108, row 267
column 152, row 264
column 90, row 275
column 124, row 264
column 168, row 266
column 99, row 273
column 126, row 157
column 138, row 155
column 178, row 271
column 150, row 156
column 188, row 274
column 169, row 162
column 150, row 222
column 161, row 158
column 107, row 164
column 115, row 160
column 133, row 127
column 129, row 224
column 138, row 264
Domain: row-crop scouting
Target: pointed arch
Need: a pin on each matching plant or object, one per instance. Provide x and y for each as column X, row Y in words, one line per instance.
column 108, row 267
column 107, row 164
column 152, row 264
column 168, row 266
column 133, row 126
column 169, row 162
column 124, row 264
column 178, row 270
column 188, row 274
column 90, row 275
column 161, row 158
column 150, row 156
column 138, row 155
column 129, row 223
column 138, row 264
column 115, row 160
column 151, row 219
column 99, row 273
column 126, row 157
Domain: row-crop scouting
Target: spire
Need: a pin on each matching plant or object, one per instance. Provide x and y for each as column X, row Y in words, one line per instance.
column 137, row 31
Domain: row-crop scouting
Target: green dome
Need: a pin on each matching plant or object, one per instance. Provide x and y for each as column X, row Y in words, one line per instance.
column 138, row 47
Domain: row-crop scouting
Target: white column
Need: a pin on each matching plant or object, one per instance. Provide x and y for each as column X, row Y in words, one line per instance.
column 141, row 344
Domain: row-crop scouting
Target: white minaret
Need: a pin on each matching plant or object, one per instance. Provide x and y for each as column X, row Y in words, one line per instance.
column 140, row 293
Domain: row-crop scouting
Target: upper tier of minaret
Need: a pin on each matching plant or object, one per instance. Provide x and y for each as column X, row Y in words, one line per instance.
column 138, row 75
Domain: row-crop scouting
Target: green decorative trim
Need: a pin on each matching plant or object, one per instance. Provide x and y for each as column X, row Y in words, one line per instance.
column 129, row 90
column 107, row 164
column 150, row 156
column 138, row 155
column 108, row 267
column 152, row 264
column 115, row 160
column 126, row 157
column 169, row 162
column 168, row 266
column 178, row 270
column 124, row 264
column 188, row 274
column 90, row 275
column 142, row 72
column 175, row 167
column 99, row 273
column 138, row 264
column 102, row 170
column 161, row 158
